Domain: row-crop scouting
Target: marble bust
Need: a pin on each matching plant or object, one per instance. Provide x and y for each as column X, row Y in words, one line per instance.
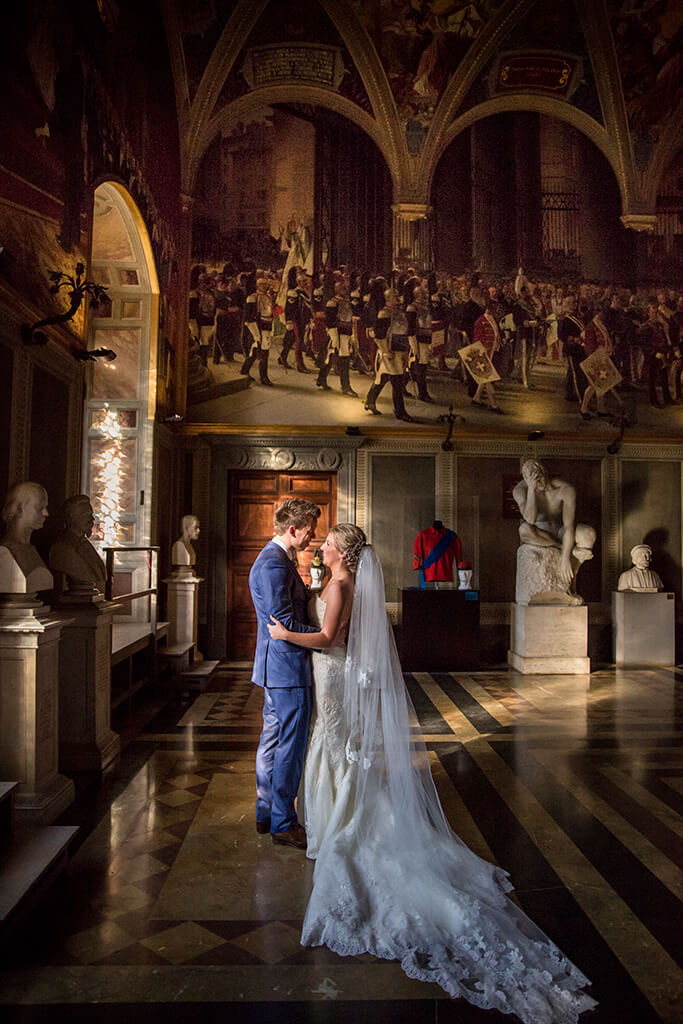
column 72, row 554
column 552, row 546
column 183, row 554
column 640, row 577
column 22, row 570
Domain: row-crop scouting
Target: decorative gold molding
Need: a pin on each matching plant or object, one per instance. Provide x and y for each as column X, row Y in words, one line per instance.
column 639, row 221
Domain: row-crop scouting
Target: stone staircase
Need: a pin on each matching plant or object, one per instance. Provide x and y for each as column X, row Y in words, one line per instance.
column 30, row 861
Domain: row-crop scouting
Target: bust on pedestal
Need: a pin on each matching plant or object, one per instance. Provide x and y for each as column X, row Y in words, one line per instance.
column 29, row 655
column 643, row 618
column 640, row 578
column 183, row 594
column 183, row 554
column 549, row 622
column 86, row 740
column 72, row 555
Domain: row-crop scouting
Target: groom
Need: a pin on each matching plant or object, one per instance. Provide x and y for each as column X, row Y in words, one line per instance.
column 284, row 671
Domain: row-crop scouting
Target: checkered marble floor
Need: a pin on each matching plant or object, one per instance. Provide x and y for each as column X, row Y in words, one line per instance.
column 573, row 784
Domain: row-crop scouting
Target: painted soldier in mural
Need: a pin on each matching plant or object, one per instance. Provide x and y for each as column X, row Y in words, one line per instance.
column 393, row 345
column 420, row 334
column 339, row 312
column 258, row 320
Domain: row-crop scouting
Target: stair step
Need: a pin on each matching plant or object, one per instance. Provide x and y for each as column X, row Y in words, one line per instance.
column 200, row 669
column 197, row 676
column 31, row 861
column 176, row 650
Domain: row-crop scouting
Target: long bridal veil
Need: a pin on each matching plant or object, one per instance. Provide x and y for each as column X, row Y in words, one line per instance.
column 394, row 880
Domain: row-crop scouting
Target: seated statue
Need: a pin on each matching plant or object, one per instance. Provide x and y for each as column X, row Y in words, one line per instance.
column 552, row 547
column 183, row 553
column 22, row 570
column 640, row 577
column 72, row 554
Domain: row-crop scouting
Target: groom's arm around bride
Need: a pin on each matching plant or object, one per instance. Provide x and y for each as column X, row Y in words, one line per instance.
column 283, row 670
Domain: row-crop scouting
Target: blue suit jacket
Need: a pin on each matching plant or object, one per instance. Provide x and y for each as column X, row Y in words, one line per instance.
column 277, row 589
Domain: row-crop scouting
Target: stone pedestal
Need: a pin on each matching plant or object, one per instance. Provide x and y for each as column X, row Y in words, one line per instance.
column 29, row 709
column 86, row 741
column 643, row 629
column 549, row 639
column 183, row 595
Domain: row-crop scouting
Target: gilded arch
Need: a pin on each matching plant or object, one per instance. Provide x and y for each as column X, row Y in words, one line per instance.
column 542, row 105
column 291, row 93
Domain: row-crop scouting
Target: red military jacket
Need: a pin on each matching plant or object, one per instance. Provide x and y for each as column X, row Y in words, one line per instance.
column 442, row 569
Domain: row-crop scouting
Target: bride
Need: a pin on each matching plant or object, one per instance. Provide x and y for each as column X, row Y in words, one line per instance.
column 391, row 877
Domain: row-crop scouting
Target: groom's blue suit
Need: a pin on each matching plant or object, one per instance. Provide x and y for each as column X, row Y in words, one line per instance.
column 284, row 670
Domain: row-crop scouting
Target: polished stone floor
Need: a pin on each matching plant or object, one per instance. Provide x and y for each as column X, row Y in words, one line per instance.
column 173, row 909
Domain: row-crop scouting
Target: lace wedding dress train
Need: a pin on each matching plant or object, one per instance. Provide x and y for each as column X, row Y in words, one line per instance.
column 391, row 877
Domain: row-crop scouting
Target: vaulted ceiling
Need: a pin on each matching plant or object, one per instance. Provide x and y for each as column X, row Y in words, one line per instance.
column 414, row 74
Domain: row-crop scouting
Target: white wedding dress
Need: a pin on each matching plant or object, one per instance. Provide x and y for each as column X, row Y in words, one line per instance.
column 391, row 877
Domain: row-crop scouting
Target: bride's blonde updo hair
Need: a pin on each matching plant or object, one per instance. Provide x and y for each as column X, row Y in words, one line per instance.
column 349, row 540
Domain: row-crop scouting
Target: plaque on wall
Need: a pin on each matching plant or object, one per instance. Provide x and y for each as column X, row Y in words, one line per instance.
column 543, row 71
column 510, row 507
column 304, row 63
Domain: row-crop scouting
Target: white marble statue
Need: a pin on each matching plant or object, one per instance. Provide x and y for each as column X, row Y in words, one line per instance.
column 22, row 570
column 464, row 576
column 72, row 554
column 552, row 547
column 183, row 554
column 640, row 577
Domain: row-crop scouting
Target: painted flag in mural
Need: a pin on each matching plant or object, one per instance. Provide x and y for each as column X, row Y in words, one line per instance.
column 600, row 371
column 477, row 362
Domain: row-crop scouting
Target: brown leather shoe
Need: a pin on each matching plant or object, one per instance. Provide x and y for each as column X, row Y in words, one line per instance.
column 294, row 836
column 263, row 827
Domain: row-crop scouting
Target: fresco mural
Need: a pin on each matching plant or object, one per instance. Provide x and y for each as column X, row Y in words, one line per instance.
column 648, row 35
column 421, row 43
column 497, row 354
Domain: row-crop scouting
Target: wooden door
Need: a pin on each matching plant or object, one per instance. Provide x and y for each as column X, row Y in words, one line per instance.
column 253, row 497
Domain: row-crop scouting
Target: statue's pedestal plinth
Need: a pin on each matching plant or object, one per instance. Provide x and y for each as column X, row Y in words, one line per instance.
column 183, row 596
column 86, row 740
column 29, row 708
column 549, row 639
column 643, row 629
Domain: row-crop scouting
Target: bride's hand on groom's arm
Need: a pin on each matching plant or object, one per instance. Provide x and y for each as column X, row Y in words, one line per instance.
column 277, row 630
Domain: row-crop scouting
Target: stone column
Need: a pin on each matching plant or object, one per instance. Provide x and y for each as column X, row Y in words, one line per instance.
column 29, row 708
column 86, row 740
column 527, row 181
column 412, row 241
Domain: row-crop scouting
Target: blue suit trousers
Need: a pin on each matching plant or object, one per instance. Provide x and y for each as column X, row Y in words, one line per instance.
column 280, row 754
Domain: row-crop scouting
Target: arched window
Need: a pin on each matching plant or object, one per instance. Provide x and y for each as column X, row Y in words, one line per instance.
column 121, row 396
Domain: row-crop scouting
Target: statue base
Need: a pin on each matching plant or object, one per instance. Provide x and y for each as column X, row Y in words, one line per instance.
column 549, row 639
column 29, row 700
column 86, row 740
column 643, row 629
column 183, row 598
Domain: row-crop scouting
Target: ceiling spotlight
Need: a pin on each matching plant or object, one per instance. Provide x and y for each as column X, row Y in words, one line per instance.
column 535, row 435
column 94, row 354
